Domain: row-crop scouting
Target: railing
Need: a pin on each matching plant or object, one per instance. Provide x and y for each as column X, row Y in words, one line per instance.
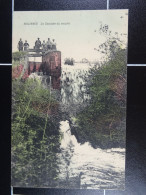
column 35, row 50
column 35, row 55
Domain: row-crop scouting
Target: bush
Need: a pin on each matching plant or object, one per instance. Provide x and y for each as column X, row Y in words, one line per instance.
column 35, row 135
column 102, row 122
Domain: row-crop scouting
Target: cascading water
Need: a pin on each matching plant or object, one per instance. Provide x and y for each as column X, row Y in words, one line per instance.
column 92, row 168
column 82, row 166
column 73, row 87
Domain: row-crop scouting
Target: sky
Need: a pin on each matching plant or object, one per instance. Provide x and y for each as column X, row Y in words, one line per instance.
column 76, row 32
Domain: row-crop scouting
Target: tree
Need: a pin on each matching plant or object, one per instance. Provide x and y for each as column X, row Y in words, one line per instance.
column 35, row 135
column 102, row 122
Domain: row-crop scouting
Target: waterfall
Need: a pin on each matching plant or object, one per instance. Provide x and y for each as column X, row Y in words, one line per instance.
column 73, row 88
column 82, row 166
column 96, row 168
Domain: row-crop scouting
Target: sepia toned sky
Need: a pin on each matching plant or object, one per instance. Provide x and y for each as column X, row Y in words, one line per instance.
column 75, row 32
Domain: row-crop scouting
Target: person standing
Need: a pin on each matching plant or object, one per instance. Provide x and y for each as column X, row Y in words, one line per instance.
column 26, row 46
column 20, row 45
column 49, row 44
column 53, row 45
column 38, row 44
column 44, row 46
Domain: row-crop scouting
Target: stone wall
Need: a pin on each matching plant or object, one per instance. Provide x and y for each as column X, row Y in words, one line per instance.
column 50, row 65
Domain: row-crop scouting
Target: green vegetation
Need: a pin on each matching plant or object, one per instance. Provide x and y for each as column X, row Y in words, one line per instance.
column 102, row 122
column 17, row 58
column 18, row 54
column 35, row 135
column 69, row 61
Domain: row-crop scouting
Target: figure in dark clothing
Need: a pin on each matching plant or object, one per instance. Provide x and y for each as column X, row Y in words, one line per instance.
column 26, row 46
column 53, row 45
column 20, row 45
column 37, row 44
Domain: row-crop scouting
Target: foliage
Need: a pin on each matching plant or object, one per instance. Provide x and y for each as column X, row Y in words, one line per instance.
column 18, row 58
column 17, row 70
column 102, row 122
column 35, row 136
column 18, row 54
column 69, row 61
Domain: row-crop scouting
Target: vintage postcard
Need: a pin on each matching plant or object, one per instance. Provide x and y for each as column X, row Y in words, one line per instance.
column 69, row 99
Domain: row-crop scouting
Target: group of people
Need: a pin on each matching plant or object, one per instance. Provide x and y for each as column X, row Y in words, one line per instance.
column 49, row 45
column 45, row 46
column 23, row 46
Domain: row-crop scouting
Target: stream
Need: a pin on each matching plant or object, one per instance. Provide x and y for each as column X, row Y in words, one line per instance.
column 82, row 166
column 91, row 168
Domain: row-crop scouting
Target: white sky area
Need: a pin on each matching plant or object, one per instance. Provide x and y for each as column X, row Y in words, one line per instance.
column 78, row 38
